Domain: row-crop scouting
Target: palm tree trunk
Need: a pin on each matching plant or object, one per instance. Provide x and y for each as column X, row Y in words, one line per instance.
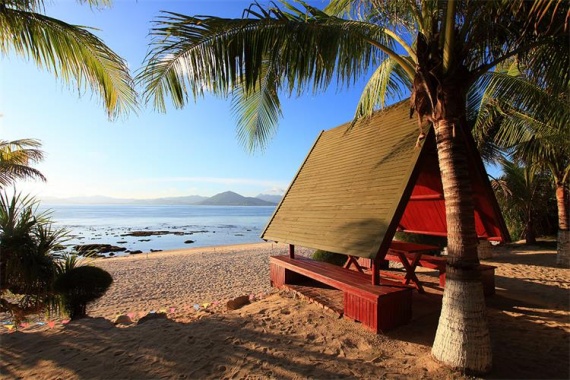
column 563, row 254
column 529, row 233
column 462, row 339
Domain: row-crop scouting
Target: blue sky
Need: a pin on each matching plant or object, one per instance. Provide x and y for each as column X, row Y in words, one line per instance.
column 149, row 154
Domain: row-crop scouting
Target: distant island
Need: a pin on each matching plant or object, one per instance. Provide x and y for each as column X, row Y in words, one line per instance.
column 227, row 198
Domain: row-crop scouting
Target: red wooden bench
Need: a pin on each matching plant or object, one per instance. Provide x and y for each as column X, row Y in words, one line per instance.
column 378, row 307
column 439, row 263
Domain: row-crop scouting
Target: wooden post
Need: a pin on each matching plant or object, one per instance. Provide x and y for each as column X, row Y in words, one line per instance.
column 291, row 251
column 375, row 272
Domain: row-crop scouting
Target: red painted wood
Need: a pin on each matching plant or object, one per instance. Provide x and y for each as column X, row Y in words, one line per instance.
column 426, row 197
column 376, row 307
column 353, row 261
column 407, row 247
column 440, row 263
column 291, row 251
column 425, row 211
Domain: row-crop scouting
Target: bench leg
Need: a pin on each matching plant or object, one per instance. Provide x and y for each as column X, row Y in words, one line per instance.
column 411, row 271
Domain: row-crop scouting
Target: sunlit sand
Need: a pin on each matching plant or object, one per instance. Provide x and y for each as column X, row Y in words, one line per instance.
column 280, row 335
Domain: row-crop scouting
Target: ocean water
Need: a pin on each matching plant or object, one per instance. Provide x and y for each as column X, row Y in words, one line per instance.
column 186, row 226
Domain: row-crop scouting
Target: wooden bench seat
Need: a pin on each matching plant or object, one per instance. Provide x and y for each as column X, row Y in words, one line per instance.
column 439, row 263
column 379, row 307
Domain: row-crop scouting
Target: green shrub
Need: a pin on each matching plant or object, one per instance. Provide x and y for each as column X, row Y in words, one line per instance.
column 79, row 286
column 329, row 257
column 438, row 241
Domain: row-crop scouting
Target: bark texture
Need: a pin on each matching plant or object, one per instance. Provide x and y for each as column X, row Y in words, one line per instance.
column 462, row 339
column 563, row 246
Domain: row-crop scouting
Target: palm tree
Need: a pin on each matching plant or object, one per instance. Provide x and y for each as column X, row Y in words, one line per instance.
column 71, row 52
column 523, row 192
column 15, row 159
column 532, row 125
column 278, row 50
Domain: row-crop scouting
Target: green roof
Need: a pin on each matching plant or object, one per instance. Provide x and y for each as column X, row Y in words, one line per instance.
column 359, row 185
column 347, row 191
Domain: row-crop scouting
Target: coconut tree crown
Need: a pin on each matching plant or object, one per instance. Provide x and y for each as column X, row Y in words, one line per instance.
column 436, row 45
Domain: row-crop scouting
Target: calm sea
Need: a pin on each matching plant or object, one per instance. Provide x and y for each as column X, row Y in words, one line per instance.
column 187, row 226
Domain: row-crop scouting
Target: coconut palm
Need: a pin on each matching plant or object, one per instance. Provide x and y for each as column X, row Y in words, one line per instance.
column 532, row 125
column 15, row 159
column 436, row 49
column 72, row 53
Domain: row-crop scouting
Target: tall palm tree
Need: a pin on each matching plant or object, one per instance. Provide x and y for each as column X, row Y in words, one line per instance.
column 532, row 125
column 441, row 48
column 71, row 52
column 15, row 159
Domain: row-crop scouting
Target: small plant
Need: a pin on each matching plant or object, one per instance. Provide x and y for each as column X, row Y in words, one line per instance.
column 27, row 268
column 329, row 257
column 79, row 285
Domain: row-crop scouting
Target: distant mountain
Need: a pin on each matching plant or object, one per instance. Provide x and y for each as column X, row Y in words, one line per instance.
column 229, row 198
column 270, row 198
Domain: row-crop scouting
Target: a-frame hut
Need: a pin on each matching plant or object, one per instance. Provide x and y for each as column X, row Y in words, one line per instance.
column 359, row 185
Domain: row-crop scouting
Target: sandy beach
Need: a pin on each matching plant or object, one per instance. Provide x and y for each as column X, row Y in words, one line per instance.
column 191, row 333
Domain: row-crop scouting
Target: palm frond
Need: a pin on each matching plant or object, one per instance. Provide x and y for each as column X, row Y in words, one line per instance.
column 257, row 110
column 72, row 53
column 524, row 103
column 393, row 14
column 309, row 49
column 9, row 173
column 387, row 81
column 15, row 158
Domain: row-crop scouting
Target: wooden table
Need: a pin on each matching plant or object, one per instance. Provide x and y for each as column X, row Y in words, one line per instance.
column 409, row 255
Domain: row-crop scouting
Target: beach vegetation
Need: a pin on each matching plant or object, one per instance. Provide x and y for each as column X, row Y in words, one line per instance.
column 434, row 51
column 526, row 199
column 78, row 285
column 27, row 269
column 437, row 241
column 329, row 257
column 72, row 53
column 32, row 279
column 16, row 156
column 524, row 119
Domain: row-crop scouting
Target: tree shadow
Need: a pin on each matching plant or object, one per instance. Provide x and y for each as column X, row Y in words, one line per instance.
column 213, row 347
column 529, row 335
column 540, row 258
column 528, row 344
column 519, row 292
